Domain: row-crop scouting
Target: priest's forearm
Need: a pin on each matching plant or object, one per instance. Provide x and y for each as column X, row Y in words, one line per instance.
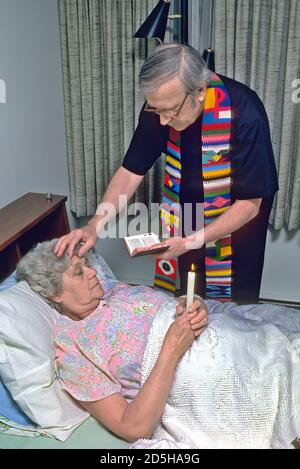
column 240, row 213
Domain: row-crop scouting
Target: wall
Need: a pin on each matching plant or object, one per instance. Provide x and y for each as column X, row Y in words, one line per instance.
column 281, row 279
column 32, row 130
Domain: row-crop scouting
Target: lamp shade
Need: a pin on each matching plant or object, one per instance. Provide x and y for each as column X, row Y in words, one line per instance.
column 156, row 23
column 209, row 58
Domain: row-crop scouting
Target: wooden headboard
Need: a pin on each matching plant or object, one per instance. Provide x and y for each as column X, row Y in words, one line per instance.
column 25, row 222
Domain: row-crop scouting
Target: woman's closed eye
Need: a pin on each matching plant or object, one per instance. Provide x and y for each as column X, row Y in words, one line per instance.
column 77, row 269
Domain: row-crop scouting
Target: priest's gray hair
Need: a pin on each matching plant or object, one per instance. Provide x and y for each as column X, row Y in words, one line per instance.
column 169, row 61
column 43, row 271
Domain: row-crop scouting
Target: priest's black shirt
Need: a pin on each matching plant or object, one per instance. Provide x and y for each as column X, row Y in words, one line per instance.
column 254, row 176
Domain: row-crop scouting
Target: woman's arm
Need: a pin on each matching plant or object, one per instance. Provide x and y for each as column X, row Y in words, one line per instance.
column 139, row 418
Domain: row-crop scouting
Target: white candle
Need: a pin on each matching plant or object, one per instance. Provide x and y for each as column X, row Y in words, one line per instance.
column 190, row 289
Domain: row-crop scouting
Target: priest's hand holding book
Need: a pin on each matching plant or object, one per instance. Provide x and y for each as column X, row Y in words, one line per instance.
column 178, row 246
column 144, row 244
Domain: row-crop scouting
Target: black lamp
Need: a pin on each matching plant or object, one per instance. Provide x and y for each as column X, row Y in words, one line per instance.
column 156, row 23
column 155, row 27
column 209, row 58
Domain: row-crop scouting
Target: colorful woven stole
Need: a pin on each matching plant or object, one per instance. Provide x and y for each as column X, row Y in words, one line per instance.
column 216, row 169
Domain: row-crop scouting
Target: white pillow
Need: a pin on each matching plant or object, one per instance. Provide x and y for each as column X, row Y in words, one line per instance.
column 27, row 362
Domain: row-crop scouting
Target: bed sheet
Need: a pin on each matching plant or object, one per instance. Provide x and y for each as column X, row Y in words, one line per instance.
column 89, row 435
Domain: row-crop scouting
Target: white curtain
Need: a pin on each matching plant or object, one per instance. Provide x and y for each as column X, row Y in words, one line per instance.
column 101, row 62
column 200, row 24
column 257, row 42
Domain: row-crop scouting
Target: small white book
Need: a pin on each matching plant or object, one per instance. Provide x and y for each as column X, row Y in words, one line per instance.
column 140, row 245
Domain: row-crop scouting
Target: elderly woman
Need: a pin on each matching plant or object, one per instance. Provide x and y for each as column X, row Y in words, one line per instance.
column 101, row 337
column 121, row 355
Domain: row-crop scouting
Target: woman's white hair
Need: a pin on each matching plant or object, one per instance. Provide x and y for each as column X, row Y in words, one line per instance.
column 169, row 61
column 43, row 271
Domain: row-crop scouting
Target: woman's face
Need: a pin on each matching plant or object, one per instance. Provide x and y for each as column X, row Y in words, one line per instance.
column 82, row 290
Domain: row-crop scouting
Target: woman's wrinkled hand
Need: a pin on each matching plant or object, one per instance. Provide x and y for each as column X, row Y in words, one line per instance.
column 179, row 337
column 186, row 328
column 197, row 314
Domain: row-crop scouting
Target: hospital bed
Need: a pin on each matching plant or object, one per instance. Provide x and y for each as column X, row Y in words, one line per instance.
column 23, row 223
column 89, row 433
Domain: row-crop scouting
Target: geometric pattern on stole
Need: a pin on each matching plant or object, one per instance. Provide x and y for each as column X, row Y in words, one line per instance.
column 166, row 271
column 216, row 169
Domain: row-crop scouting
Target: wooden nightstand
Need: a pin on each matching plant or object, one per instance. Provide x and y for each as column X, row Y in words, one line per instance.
column 25, row 222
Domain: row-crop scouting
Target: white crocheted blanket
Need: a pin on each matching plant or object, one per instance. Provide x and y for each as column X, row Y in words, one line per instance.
column 238, row 386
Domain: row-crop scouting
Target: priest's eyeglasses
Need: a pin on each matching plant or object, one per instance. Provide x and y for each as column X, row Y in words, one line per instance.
column 168, row 113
